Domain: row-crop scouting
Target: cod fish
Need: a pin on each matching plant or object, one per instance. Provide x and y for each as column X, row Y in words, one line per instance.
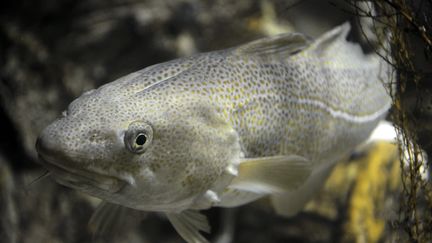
column 220, row 129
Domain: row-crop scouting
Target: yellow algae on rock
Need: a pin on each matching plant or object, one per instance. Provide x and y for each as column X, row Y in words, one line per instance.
column 378, row 175
column 360, row 194
column 268, row 23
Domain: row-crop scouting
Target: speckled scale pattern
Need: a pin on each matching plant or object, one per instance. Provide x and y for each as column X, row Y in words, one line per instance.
column 267, row 112
column 208, row 110
column 260, row 99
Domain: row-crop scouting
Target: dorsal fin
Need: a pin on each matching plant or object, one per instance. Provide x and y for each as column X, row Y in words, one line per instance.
column 334, row 42
column 339, row 33
column 283, row 45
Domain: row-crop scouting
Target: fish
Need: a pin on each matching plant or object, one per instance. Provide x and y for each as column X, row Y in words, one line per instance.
column 269, row 118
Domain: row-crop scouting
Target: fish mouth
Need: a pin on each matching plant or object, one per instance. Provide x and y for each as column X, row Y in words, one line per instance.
column 51, row 156
column 82, row 179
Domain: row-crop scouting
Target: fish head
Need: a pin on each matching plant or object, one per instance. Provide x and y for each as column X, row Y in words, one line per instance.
column 144, row 151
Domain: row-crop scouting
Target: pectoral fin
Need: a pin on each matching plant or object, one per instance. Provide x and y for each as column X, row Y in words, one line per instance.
column 110, row 218
column 276, row 174
column 188, row 224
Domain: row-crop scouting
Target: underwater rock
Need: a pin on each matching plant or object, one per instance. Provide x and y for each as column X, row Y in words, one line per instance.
column 357, row 204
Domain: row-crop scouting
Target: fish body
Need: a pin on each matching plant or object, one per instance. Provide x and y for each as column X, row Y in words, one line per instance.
column 223, row 128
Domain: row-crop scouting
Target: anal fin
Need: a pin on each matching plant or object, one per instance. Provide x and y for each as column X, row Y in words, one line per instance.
column 290, row 203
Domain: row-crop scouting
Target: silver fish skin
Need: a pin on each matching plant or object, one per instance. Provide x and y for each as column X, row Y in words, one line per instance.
column 267, row 118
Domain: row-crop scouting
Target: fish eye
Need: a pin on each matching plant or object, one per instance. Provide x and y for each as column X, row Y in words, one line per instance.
column 138, row 137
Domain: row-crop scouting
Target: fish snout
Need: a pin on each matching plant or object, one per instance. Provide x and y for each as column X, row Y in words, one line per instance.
column 43, row 146
column 47, row 146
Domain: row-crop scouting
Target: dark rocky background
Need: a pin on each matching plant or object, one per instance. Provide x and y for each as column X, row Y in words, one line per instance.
column 51, row 51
